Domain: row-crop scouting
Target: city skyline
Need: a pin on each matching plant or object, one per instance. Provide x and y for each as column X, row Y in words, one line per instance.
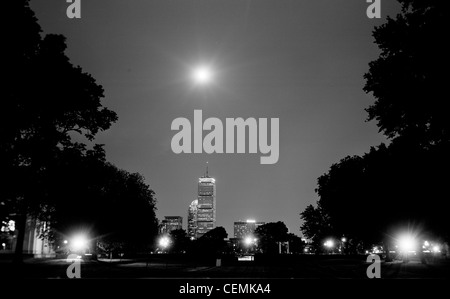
column 298, row 140
column 192, row 218
column 268, row 64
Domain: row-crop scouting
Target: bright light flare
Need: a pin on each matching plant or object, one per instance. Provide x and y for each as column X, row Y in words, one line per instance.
column 79, row 243
column 329, row 244
column 436, row 249
column 248, row 241
column 407, row 243
column 164, row 242
column 202, row 75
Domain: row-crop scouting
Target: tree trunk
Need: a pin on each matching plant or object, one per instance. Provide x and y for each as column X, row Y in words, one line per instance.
column 21, row 226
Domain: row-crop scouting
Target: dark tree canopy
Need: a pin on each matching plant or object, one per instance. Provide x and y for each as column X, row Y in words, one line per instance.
column 180, row 241
column 46, row 100
column 316, row 224
column 371, row 198
column 408, row 82
column 408, row 79
column 114, row 206
column 270, row 234
column 296, row 244
column 211, row 243
column 217, row 234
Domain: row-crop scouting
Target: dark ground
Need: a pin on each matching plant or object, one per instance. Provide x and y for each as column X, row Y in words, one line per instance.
column 305, row 266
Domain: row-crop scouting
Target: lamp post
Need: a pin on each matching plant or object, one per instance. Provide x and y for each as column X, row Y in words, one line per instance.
column 343, row 240
column 406, row 243
column 164, row 242
column 329, row 244
column 250, row 243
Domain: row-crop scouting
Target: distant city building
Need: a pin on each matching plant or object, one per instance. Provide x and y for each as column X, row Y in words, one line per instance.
column 192, row 219
column 171, row 223
column 206, row 205
column 245, row 228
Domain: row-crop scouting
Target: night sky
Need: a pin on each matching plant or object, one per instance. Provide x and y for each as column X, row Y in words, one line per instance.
column 300, row 61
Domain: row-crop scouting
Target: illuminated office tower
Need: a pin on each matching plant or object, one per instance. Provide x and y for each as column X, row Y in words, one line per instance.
column 206, row 207
column 192, row 219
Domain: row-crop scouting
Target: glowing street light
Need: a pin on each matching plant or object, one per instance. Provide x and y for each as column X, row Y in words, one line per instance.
column 164, row 242
column 406, row 243
column 79, row 242
column 329, row 244
column 248, row 241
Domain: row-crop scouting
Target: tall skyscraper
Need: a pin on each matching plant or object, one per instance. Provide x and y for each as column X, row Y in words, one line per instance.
column 192, row 219
column 206, row 207
column 243, row 229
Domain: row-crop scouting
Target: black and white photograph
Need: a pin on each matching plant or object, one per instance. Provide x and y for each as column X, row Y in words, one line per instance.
column 224, row 147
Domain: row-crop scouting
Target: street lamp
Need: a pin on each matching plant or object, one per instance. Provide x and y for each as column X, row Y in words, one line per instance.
column 342, row 248
column 78, row 243
column 406, row 243
column 329, row 244
column 164, row 242
column 248, row 241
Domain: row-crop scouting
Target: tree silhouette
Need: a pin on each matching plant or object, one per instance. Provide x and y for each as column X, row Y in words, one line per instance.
column 371, row 198
column 47, row 100
column 211, row 244
column 112, row 205
column 217, row 234
column 408, row 79
column 269, row 235
column 316, row 225
column 296, row 244
column 180, row 241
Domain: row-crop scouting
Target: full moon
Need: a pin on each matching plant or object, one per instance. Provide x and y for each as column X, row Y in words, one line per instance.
column 202, row 75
